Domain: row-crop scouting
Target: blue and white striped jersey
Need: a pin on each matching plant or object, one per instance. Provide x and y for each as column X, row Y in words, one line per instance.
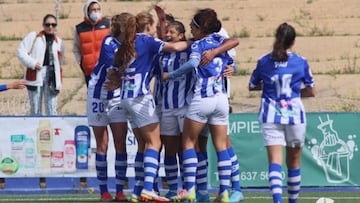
column 209, row 78
column 109, row 47
column 177, row 92
column 156, row 73
column 137, row 76
column 281, row 94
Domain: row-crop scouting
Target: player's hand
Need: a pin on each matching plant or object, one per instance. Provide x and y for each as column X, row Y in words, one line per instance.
column 19, row 84
column 160, row 12
column 206, row 57
column 165, row 76
column 229, row 71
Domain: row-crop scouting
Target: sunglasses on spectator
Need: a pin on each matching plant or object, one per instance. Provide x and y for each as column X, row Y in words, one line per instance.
column 50, row 24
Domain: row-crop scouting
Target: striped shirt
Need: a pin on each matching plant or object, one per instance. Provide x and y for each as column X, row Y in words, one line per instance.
column 209, row 78
column 156, row 73
column 281, row 95
column 96, row 84
column 177, row 92
column 137, row 76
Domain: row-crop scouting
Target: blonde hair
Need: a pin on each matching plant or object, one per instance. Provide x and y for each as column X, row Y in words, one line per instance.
column 143, row 19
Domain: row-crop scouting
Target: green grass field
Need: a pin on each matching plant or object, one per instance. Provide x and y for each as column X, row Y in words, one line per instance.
column 250, row 197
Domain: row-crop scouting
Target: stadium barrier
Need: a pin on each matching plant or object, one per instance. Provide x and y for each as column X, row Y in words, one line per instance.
column 29, row 164
column 330, row 152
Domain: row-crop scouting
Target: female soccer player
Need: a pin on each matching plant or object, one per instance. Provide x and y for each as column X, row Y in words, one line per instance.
column 176, row 95
column 281, row 74
column 103, row 108
column 208, row 105
column 134, row 62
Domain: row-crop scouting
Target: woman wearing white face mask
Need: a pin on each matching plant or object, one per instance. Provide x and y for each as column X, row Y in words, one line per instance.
column 88, row 37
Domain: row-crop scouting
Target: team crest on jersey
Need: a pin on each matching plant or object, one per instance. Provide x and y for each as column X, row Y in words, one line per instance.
column 98, row 117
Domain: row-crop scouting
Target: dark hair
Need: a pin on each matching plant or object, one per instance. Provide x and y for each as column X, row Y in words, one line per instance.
column 169, row 18
column 92, row 3
column 207, row 21
column 179, row 26
column 117, row 22
column 284, row 39
column 48, row 16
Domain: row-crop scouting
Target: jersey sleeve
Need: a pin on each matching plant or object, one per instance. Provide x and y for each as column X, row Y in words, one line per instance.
column 155, row 45
column 185, row 68
column 3, row 87
column 255, row 77
column 108, row 50
column 308, row 78
column 195, row 51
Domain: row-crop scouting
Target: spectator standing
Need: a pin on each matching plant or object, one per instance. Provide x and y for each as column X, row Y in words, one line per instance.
column 88, row 37
column 42, row 54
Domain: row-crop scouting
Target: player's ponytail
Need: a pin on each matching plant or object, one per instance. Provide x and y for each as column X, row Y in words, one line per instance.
column 127, row 48
column 284, row 39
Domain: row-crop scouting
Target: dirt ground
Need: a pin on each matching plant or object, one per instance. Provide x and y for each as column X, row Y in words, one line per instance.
column 328, row 36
